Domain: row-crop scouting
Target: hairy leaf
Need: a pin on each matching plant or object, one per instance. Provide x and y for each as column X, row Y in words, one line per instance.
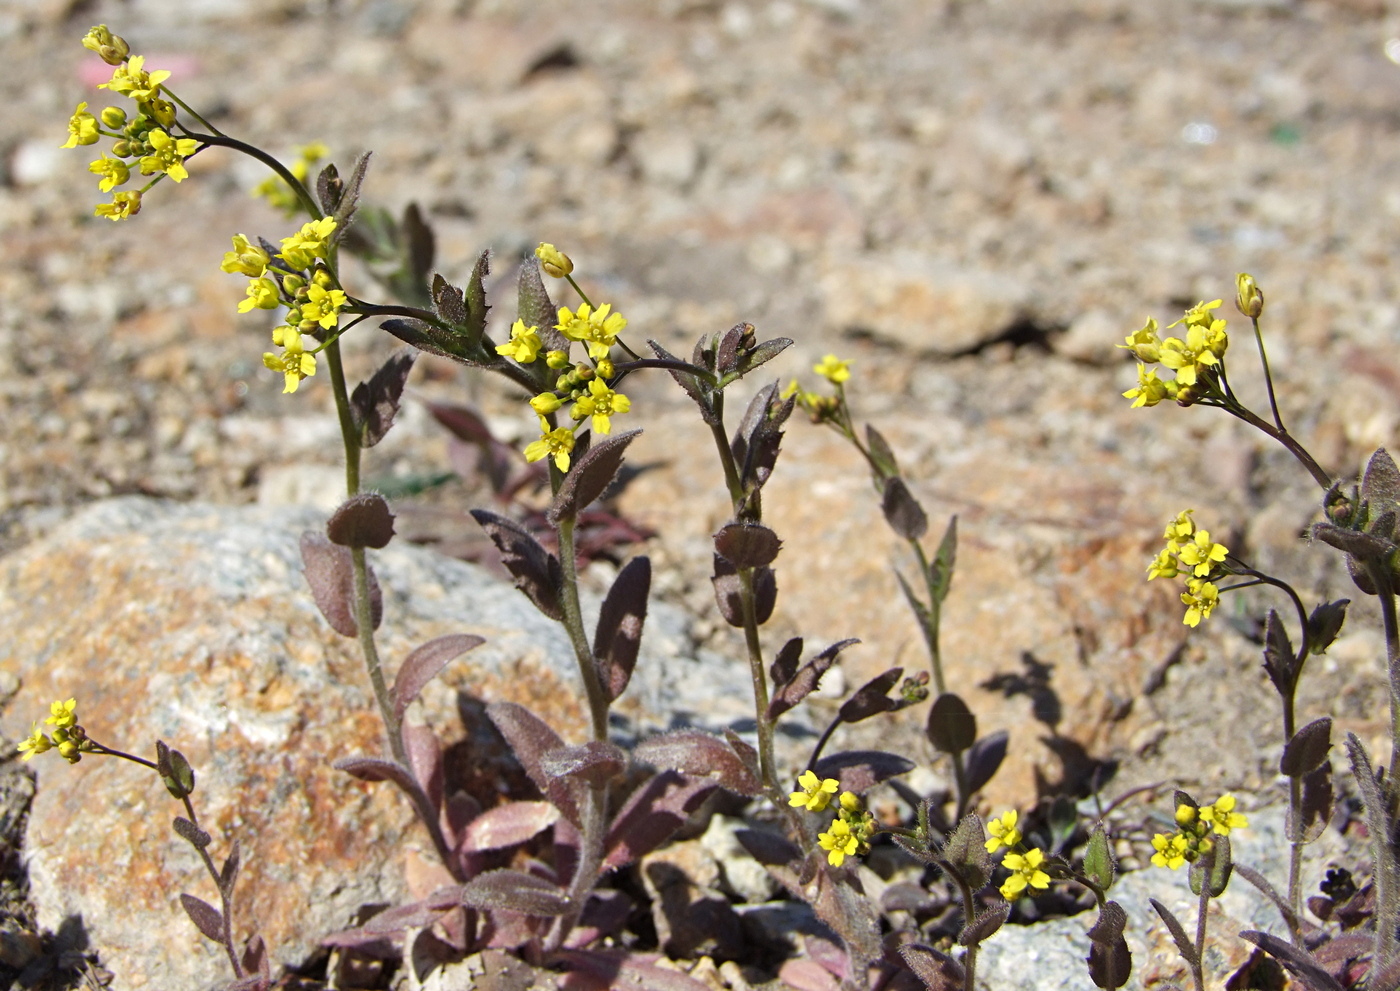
column 329, row 188
column 881, row 453
column 449, row 301
column 375, row 403
column 729, row 588
column 784, row 665
column 861, row 770
column 1308, row 749
column 425, row 337
column 191, row 833
column 1279, row 659
column 938, row 971
column 727, row 353
column 362, row 520
column 965, row 855
column 759, row 437
column 595, row 762
column 424, row 664
column 536, row 571
column 535, row 308
column 945, row 560
column 1110, row 962
column 228, row 873
column 529, row 736
column 652, row 815
column 508, row 825
column 1214, row 870
column 804, row 682
column 1325, row 623
column 872, row 698
column 425, row 760
column 331, row 575
column 1099, row 863
column 985, row 925
column 175, row 771
column 618, row 636
column 761, row 354
column 1299, row 963
column 475, row 298
column 206, row 918
column 1109, row 925
column 516, row 891
column 350, row 194
column 378, row 769
column 700, row 755
column 590, row 476
column 747, row 545
column 1184, row 946
column 768, row 848
column 696, row 389
column 902, row 511
column 1317, row 803
column 952, row 728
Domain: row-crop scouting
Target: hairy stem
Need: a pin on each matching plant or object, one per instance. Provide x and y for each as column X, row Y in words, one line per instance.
column 598, row 701
column 224, row 141
column 1281, row 435
column 225, row 901
column 760, row 681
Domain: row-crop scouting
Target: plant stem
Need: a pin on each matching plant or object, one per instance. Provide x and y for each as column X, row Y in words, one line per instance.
column 598, row 701
column 224, row 141
column 1198, row 965
column 760, row 681
column 970, row 957
column 225, row 901
column 1268, row 376
column 1281, row 435
column 931, row 627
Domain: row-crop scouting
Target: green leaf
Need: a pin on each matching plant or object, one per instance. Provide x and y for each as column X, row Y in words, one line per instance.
column 944, row 561
column 1099, row 863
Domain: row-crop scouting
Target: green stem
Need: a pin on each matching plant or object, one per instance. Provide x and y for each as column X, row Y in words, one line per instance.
column 189, row 110
column 1286, row 439
column 1202, row 906
column 349, row 432
column 598, row 701
column 760, row 681
column 225, row 901
column 224, row 141
column 1268, row 377
column 969, row 958
column 364, row 623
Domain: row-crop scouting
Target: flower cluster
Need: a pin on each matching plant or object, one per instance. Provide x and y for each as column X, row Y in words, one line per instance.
column 849, row 833
column 274, row 188
column 1195, row 826
column 822, row 408
column 1024, row 864
column 1195, row 360
column 68, row 737
column 141, row 142
column 1192, row 554
column 583, row 386
column 297, row 278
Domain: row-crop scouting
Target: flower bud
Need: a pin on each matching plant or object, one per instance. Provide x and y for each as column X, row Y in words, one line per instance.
column 292, row 283
column 112, row 48
column 163, row 111
column 1185, row 815
column 114, row 117
column 557, row 360
column 545, row 402
column 122, row 149
column 1249, row 298
column 554, row 261
column 606, row 369
column 583, row 372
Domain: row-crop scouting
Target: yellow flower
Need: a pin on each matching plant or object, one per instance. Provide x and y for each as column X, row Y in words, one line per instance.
column 82, row 128
column 546, row 403
column 597, row 328
column 1181, row 529
column 125, row 203
column 134, row 81
column 850, row 802
column 554, row 261
column 1164, row 565
column 557, row 360
column 302, row 249
column 262, row 295
column 552, row 443
column 816, row 792
column 294, row 363
column 1004, row 831
column 167, row 155
column 245, row 258
column 601, row 404
column 839, row 842
column 1144, row 343
column 1171, row 850
column 524, row 344
column 1185, row 815
column 1249, row 298
column 605, row 368
column 1025, row 870
column 1150, row 389
column 35, row 743
column 1200, row 554
column 1200, row 598
column 833, row 369
column 1222, row 816
column 322, row 306
column 63, row 714
column 113, row 172
column 112, row 48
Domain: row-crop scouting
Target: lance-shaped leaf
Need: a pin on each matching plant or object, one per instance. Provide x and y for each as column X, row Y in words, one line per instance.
column 516, row 891
column 804, row 682
column 695, row 388
column 1299, row 963
column 1268, row 890
column 902, row 511
column 1308, row 749
column 1184, row 945
column 1279, row 660
column 329, row 188
column 945, row 560
column 206, row 918
column 378, row 769
column 536, row 571
column 729, row 592
column 1317, row 804
column 761, row 354
column 1364, row 546
column 191, row 833
column 1214, row 870
column 759, row 436
column 872, row 698
column 449, row 301
column 727, row 352
column 784, row 664
column 965, row 855
column 535, row 308
column 529, row 736
column 361, row 521
column 432, row 339
column 1386, row 869
column 700, row 755
column 1325, row 623
column 618, row 637
column 1110, row 962
column 476, row 298
column 881, row 453
column 938, row 971
column 228, row 873
column 985, row 925
column 652, row 815
column 1380, row 483
column 508, row 825
column 424, row 753
column 350, row 194
column 425, row 663
column 331, row 575
column 952, row 728
column 861, row 770
column 747, row 545
column 1099, row 864
column 174, row 770
column 590, row 476
column 593, row 763
column 375, row 403
column 984, row 759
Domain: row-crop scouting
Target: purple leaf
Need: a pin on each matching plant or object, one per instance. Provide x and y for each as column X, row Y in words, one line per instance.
column 362, row 520
column 1300, row 963
column 508, row 825
column 331, row 575
column 861, row 770
column 625, row 969
column 700, row 755
column 620, row 620
column 535, row 570
column 530, row 738
column 952, row 728
column 424, row 663
column 938, row 971
column 654, row 812
column 985, row 758
column 1308, row 748
column 784, row 666
column 902, row 511
column 535, row 307
column 228, row 874
column 448, row 301
column 872, row 698
column 807, row 975
column 590, row 475
column 804, row 682
column 516, row 891
column 206, row 918
column 595, row 762
column 378, row 769
column 747, row 545
column 425, row 757
column 375, row 403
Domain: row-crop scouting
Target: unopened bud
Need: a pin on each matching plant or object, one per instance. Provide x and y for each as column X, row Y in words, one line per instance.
column 122, row 149
column 557, row 360
column 1249, row 298
column 583, row 372
column 114, row 117
column 112, row 48
column 554, row 261
column 163, row 111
